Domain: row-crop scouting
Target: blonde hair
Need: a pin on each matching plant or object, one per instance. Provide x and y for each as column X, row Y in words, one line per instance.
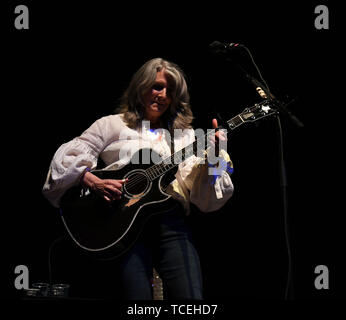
column 178, row 115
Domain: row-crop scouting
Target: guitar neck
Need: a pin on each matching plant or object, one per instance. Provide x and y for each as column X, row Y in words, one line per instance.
column 235, row 122
column 197, row 148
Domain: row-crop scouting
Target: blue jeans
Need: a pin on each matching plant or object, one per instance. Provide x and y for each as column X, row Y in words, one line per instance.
column 165, row 244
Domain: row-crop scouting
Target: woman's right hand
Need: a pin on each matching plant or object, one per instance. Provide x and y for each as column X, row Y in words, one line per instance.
column 108, row 189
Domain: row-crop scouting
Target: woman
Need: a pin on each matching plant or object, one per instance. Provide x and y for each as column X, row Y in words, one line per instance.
column 157, row 98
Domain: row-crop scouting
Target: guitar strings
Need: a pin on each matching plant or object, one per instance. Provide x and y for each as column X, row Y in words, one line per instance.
column 153, row 172
column 150, row 174
column 251, row 109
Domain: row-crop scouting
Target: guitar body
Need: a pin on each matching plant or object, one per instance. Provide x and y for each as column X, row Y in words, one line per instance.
column 108, row 230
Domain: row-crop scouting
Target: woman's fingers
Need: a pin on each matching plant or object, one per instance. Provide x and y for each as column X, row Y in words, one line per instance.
column 113, row 189
column 214, row 123
column 107, row 199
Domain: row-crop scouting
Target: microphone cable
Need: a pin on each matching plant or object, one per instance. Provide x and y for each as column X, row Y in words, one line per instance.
column 289, row 292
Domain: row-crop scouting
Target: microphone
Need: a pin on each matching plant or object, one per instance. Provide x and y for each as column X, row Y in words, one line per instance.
column 223, row 47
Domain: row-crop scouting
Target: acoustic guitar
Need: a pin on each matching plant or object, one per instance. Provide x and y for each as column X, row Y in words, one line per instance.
column 108, row 230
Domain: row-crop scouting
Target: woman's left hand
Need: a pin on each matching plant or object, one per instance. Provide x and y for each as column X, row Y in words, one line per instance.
column 219, row 136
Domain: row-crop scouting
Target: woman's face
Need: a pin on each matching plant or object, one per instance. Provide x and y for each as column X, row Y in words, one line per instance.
column 157, row 99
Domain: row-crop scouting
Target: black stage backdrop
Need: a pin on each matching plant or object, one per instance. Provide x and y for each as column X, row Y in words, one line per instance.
column 71, row 67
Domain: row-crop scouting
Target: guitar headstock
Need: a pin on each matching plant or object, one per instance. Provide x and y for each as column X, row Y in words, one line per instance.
column 258, row 111
column 252, row 114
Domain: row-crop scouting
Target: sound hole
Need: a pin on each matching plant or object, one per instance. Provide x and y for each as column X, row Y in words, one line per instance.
column 137, row 185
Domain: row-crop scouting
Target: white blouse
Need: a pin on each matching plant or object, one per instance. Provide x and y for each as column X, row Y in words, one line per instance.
column 114, row 142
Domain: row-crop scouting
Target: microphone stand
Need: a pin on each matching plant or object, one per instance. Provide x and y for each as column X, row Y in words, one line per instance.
column 289, row 291
column 265, row 93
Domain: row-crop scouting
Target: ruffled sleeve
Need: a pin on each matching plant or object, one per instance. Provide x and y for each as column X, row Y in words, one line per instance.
column 72, row 158
column 209, row 186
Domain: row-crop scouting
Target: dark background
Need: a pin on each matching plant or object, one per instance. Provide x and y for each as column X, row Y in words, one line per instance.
column 75, row 61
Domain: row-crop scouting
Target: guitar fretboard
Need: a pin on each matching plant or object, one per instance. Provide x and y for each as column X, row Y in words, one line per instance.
column 196, row 148
column 235, row 122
